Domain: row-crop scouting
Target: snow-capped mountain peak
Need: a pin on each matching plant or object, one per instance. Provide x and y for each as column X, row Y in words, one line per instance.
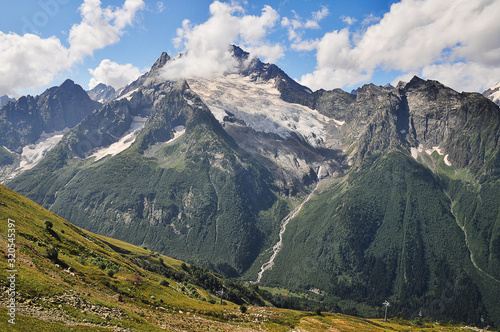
column 493, row 93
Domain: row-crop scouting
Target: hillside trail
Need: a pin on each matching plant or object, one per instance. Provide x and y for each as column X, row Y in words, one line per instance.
column 284, row 222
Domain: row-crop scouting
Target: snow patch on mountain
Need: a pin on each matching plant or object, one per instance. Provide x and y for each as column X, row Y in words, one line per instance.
column 259, row 106
column 125, row 141
column 415, row 151
column 493, row 93
column 127, row 95
column 33, row 153
column 434, row 148
column 178, row 132
column 420, row 149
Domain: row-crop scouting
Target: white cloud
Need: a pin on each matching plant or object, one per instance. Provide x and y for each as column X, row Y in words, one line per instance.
column 297, row 26
column 206, row 46
column 348, row 20
column 370, row 19
column 457, row 41
column 320, row 14
column 100, row 27
column 254, row 28
column 316, row 17
column 31, row 62
column 333, row 78
column 160, row 6
column 306, row 45
column 269, row 53
column 334, row 50
column 114, row 74
column 465, row 76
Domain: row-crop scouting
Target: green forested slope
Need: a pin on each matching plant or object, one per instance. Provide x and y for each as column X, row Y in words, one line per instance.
column 385, row 232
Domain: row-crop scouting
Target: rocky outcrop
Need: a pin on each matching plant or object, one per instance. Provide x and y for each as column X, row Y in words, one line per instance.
column 23, row 122
column 52, row 308
column 102, row 93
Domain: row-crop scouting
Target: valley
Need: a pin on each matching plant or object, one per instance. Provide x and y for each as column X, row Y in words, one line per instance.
column 341, row 197
column 96, row 283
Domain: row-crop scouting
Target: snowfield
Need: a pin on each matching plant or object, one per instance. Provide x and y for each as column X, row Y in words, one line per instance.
column 415, row 152
column 495, row 96
column 33, row 153
column 125, row 141
column 259, row 106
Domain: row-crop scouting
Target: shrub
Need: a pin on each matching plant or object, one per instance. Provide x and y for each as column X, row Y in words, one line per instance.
column 48, row 225
column 317, row 311
column 418, row 321
column 110, row 272
column 52, row 253
column 243, row 309
column 164, row 282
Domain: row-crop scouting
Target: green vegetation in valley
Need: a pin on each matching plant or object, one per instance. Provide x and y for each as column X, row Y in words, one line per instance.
column 384, row 233
column 147, row 291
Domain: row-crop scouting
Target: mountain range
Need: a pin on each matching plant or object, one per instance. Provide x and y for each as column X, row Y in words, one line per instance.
column 390, row 193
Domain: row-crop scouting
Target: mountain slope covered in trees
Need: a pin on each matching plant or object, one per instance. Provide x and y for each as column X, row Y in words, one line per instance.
column 207, row 170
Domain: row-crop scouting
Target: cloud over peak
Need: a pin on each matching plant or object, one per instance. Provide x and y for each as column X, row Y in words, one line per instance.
column 454, row 41
column 206, row 46
column 114, row 74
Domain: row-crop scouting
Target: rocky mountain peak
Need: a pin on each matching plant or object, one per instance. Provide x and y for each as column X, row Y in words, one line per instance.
column 162, row 60
column 428, row 88
column 5, row 99
column 238, row 52
column 67, row 84
column 102, row 93
column 57, row 108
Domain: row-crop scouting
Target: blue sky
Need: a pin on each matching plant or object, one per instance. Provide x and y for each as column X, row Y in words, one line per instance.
column 322, row 44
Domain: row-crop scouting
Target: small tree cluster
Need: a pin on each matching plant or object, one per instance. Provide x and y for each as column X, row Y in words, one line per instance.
column 48, row 225
column 52, row 253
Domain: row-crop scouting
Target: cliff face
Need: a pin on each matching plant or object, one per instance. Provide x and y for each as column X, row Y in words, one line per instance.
column 23, row 122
